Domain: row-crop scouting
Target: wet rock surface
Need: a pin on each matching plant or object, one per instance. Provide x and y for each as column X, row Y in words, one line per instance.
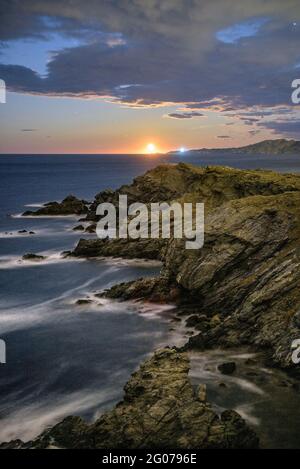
column 160, row 409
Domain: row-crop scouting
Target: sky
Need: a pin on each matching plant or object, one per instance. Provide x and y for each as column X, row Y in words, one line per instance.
column 113, row 76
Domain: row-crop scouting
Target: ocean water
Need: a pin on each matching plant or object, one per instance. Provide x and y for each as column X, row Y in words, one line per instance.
column 63, row 358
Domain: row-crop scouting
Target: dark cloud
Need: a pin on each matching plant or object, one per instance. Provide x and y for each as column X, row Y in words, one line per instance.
column 224, row 136
column 253, row 132
column 150, row 53
column 184, row 115
column 29, row 130
column 288, row 128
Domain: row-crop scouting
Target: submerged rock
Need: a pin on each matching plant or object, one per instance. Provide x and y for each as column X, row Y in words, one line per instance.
column 160, row 409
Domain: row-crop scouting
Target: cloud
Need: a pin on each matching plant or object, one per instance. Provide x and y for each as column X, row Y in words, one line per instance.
column 238, row 31
column 151, row 53
column 184, row 115
column 224, row 136
column 253, row 132
column 29, row 130
column 288, row 128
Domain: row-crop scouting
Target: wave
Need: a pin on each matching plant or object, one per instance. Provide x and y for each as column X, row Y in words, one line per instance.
column 32, row 419
column 12, row 262
column 36, row 217
column 19, row 317
column 35, row 205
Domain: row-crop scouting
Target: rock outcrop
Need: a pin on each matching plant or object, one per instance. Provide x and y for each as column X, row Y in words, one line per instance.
column 247, row 274
column 160, row 409
column 69, row 206
column 127, row 248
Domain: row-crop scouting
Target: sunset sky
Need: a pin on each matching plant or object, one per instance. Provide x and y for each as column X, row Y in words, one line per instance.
column 112, row 76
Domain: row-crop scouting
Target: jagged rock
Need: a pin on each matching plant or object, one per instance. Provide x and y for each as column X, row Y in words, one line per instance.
column 127, row 248
column 78, row 228
column 227, row 368
column 149, row 289
column 160, row 409
column 69, row 206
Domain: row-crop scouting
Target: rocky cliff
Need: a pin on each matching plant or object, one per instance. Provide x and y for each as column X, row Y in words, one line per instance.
column 247, row 273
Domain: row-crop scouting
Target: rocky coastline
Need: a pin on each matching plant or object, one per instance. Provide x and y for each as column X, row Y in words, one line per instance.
column 240, row 290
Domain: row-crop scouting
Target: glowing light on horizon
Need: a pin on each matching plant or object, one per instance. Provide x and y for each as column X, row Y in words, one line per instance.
column 151, row 149
column 182, row 150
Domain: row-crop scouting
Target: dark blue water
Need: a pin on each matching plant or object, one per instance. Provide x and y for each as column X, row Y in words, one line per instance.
column 63, row 358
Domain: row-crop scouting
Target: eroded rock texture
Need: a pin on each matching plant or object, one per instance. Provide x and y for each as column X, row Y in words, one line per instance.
column 160, row 409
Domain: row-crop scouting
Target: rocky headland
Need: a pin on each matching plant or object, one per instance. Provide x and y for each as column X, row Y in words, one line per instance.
column 240, row 290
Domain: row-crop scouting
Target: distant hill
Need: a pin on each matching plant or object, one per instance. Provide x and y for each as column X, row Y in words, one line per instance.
column 266, row 147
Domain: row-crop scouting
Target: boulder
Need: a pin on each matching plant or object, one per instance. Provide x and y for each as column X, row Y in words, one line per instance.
column 227, row 368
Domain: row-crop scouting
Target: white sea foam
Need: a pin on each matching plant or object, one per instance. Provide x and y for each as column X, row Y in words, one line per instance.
column 205, row 366
column 28, row 422
column 20, row 317
column 36, row 205
column 246, row 411
column 36, row 217
column 12, row 262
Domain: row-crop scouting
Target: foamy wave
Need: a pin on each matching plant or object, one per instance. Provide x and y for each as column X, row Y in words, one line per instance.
column 36, row 217
column 36, row 205
column 20, row 317
column 245, row 411
column 32, row 419
column 205, row 366
column 11, row 262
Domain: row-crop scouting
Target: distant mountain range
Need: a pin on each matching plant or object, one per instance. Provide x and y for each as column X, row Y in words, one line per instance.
column 266, row 147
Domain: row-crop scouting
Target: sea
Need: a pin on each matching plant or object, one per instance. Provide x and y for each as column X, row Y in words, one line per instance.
column 64, row 358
